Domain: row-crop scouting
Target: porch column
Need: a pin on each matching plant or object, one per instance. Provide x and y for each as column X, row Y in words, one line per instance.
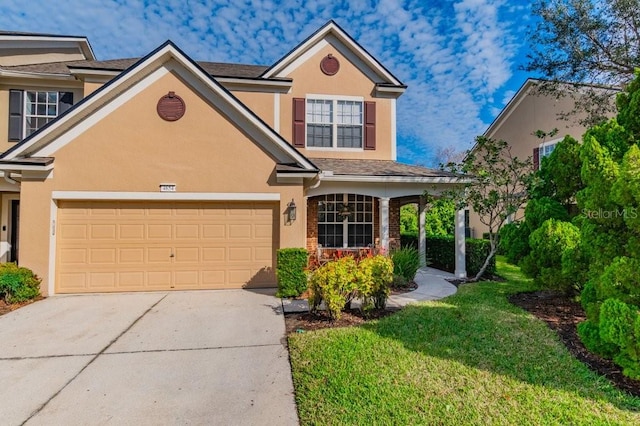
column 384, row 225
column 461, row 267
column 422, row 233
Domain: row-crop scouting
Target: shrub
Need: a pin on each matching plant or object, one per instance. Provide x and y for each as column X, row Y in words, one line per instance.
column 374, row 276
column 590, row 335
column 548, row 244
column 399, row 282
column 341, row 280
column 406, row 262
column 290, row 270
column 542, row 209
column 441, row 254
column 514, row 242
column 409, row 239
column 620, row 326
column 334, row 282
column 18, row 284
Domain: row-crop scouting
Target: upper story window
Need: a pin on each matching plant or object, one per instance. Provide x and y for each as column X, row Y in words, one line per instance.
column 334, row 122
column 29, row 110
column 545, row 150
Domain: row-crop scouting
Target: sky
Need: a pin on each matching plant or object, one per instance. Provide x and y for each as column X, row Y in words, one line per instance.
column 460, row 58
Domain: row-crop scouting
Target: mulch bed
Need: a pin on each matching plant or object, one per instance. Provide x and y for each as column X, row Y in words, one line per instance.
column 5, row 308
column 302, row 322
column 563, row 315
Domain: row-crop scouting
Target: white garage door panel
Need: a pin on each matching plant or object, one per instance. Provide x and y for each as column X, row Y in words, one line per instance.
column 135, row 246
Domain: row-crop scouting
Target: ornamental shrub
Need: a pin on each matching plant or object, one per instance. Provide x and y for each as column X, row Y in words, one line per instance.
column 335, row 283
column 18, row 284
column 441, row 254
column 548, row 244
column 620, row 326
column 406, row 262
column 514, row 242
column 290, row 271
column 375, row 275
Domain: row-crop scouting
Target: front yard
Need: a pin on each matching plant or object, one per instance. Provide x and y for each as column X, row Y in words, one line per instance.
column 472, row 358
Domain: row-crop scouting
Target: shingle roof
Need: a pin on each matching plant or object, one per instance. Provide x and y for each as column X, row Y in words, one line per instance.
column 376, row 168
column 216, row 69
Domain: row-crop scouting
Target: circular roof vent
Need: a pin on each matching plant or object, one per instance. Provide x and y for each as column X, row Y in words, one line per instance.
column 330, row 65
column 171, row 107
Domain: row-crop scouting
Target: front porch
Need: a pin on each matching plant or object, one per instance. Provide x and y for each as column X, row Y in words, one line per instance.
column 355, row 224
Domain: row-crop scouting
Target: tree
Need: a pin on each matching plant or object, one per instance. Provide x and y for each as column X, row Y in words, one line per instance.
column 592, row 42
column 496, row 188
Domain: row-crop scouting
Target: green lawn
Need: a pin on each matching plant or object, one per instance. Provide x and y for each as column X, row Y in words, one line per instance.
column 472, row 358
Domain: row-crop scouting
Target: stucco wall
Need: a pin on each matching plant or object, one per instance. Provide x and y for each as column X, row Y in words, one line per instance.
column 134, row 150
column 349, row 81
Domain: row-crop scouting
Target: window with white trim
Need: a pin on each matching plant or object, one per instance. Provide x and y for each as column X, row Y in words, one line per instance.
column 345, row 220
column 546, row 148
column 30, row 110
column 334, row 123
column 39, row 109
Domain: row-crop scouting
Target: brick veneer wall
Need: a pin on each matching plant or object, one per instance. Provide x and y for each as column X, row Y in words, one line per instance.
column 394, row 223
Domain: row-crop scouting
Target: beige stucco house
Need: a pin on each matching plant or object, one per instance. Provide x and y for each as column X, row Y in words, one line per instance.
column 527, row 112
column 165, row 173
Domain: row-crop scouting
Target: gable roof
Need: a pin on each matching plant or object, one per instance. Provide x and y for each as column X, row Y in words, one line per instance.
column 332, row 30
column 74, row 121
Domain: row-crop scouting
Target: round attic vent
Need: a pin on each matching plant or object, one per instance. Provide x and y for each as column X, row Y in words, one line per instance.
column 171, row 107
column 329, row 65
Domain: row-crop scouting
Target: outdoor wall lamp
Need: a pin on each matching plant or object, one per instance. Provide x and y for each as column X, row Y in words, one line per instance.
column 291, row 211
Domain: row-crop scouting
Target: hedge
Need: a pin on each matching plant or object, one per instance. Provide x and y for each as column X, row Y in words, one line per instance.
column 441, row 253
column 290, row 270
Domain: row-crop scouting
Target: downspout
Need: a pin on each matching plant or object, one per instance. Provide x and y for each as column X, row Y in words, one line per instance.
column 7, row 177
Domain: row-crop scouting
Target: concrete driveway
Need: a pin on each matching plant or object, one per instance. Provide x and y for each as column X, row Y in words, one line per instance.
column 197, row 357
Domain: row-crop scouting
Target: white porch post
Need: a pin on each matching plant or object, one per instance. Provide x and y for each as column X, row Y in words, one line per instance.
column 461, row 267
column 422, row 233
column 384, row 224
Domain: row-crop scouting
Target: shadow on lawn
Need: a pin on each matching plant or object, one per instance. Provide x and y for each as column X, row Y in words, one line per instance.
column 479, row 328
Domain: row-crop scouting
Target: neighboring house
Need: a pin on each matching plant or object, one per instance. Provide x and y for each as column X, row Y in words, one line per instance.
column 526, row 113
column 168, row 173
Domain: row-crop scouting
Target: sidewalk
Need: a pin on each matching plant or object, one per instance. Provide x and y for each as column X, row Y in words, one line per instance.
column 432, row 285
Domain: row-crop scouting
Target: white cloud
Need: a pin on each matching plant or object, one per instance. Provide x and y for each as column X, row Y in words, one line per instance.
column 455, row 56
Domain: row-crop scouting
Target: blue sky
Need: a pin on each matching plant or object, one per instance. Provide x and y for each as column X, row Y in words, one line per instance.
column 460, row 58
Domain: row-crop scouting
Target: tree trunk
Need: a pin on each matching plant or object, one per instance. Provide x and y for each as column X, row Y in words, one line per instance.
column 492, row 253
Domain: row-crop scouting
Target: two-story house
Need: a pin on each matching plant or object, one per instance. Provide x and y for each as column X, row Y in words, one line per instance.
column 519, row 123
column 166, row 173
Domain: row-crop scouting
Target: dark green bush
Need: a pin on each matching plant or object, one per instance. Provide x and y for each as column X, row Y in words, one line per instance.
column 441, row 254
column 399, row 282
column 290, row 270
column 590, row 335
column 514, row 242
column 409, row 240
column 548, row 244
column 406, row 262
column 542, row 209
column 18, row 284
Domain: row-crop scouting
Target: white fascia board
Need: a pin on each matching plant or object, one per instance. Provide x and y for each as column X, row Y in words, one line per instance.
column 395, row 179
column 92, row 71
column 166, row 196
column 36, row 75
column 23, row 167
column 300, row 175
column 255, row 84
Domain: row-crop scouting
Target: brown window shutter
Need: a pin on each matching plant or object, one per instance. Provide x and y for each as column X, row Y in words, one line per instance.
column 536, row 158
column 16, row 97
column 65, row 101
column 298, row 122
column 369, row 125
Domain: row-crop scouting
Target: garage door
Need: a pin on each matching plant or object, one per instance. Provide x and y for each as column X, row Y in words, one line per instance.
column 142, row 246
